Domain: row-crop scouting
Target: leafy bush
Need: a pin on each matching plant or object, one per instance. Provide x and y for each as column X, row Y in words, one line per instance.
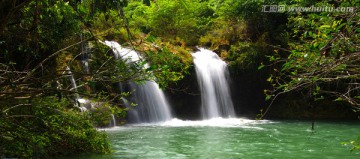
column 103, row 113
column 186, row 20
column 45, row 127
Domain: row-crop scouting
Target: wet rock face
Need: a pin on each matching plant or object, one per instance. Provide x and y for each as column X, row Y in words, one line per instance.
column 248, row 97
column 246, row 89
column 184, row 97
column 294, row 106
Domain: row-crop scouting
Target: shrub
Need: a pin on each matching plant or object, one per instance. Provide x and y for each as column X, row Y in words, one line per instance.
column 45, row 127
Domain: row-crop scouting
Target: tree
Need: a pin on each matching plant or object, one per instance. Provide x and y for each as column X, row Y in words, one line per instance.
column 43, row 44
column 323, row 59
column 187, row 20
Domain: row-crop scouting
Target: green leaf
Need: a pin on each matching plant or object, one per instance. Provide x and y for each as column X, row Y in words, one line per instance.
column 338, row 99
column 315, row 44
column 261, row 66
column 310, row 33
column 151, row 68
column 325, row 26
column 268, row 97
column 341, row 67
column 133, row 104
column 340, row 26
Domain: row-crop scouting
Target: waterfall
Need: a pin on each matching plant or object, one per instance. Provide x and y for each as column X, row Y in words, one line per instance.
column 212, row 75
column 72, row 79
column 112, row 121
column 86, row 66
column 152, row 105
column 73, row 85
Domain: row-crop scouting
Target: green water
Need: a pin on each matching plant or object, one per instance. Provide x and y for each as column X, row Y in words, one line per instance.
column 236, row 138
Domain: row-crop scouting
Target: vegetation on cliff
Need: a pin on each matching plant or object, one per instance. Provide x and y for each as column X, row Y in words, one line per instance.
column 45, row 44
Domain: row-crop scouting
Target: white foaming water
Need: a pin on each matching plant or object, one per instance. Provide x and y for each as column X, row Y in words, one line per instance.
column 123, row 53
column 214, row 122
column 73, row 87
column 112, row 121
column 152, row 105
column 86, row 66
column 72, row 79
column 212, row 75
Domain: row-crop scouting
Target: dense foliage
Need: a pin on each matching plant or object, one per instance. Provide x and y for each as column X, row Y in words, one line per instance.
column 322, row 58
column 45, row 67
column 46, row 127
column 52, row 53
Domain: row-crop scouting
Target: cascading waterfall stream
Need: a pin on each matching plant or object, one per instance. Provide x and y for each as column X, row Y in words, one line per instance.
column 72, row 80
column 77, row 99
column 152, row 105
column 212, row 75
column 112, row 121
